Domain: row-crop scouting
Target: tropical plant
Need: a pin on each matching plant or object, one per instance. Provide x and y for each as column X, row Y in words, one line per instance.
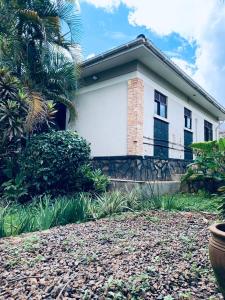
column 209, row 164
column 13, row 108
column 93, row 180
column 39, row 44
column 15, row 114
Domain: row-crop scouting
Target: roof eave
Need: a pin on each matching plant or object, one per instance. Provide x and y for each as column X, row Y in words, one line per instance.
column 145, row 43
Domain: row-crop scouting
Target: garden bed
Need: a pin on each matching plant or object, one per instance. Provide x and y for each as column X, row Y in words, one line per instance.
column 154, row 255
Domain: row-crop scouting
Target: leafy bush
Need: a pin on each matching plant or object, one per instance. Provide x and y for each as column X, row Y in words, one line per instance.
column 15, row 189
column 51, row 162
column 208, row 169
column 93, row 180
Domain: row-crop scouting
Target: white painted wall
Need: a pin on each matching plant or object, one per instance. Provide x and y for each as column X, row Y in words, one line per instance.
column 102, row 116
column 175, row 115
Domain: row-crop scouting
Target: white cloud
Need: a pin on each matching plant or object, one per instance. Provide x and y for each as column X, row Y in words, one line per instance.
column 109, row 5
column 190, row 69
column 199, row 21
column 90, row 56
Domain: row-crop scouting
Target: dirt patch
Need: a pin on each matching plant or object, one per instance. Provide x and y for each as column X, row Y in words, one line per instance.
column 156, row 255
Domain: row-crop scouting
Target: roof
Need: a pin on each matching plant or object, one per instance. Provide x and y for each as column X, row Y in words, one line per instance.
column 141, row 49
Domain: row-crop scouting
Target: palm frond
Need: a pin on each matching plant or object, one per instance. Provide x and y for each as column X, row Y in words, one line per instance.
column 30, row 15
column 61, row 73
column 36, row 112
column 70, row 16
column 67, row 102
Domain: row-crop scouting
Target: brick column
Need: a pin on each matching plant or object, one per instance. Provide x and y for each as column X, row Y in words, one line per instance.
column 135, row 117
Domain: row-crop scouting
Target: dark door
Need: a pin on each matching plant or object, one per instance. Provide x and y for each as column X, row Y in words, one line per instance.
column 188, row 140
column 161, row 139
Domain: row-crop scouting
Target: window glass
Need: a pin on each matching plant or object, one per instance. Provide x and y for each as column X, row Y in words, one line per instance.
column 208, row 131
column 187, row 118
column 160, row 104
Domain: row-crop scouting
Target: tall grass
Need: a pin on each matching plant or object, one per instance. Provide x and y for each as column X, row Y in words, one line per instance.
column 44, row 212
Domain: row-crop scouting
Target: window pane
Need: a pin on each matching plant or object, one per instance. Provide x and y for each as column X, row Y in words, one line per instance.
column 156, row 107
column 162, row 110
column 157, row 95
column 187, row 112
column 160, row 104
column 162, row 99
column 208, row 129
column 188, row 123
column 187, row 118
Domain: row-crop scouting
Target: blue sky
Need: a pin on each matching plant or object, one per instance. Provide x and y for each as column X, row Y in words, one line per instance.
column 103, row 30
column 190, row 32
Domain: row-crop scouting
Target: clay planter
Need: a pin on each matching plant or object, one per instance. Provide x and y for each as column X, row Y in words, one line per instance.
column 217, row 253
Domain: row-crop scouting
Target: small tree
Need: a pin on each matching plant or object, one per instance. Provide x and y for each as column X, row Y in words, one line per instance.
column 37, row 51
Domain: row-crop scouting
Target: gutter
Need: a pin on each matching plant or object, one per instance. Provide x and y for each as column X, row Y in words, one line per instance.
column 142, row 41
column 182, row 74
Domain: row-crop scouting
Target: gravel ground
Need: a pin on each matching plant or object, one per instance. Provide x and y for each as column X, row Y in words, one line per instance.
column 156, row 255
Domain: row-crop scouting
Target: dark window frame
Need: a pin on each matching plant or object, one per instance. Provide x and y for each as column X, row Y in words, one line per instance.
column 208, row 131
column 160, row 104
column 187, row 118
column 188, row 153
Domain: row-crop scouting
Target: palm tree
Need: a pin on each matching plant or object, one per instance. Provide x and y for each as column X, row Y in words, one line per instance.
column 36, row 50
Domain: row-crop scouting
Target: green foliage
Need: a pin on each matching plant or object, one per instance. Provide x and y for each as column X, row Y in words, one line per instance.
column 34, row 48
column 108, row 204
column 51, row 161
column 15, row 116
column 195, row 202
column 13, row 110
column 209, row 164
column 3, row 214
column 148, row 196
column 44, row 212
column 93, row 180
column 14, row 189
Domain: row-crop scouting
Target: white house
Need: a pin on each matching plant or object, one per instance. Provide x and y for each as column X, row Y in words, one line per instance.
column 135, row 103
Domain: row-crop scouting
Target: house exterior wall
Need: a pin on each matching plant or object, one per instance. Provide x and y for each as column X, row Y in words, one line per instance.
column 176, row 102
column 102, row 110
column 116, row 115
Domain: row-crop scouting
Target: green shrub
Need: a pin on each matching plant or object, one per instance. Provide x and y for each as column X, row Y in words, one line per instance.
column 15, row 189
column 51, row 161
column 93, row 180
column 208, row 170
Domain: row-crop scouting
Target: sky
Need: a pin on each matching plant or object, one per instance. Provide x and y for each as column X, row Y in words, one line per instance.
column 190, row 32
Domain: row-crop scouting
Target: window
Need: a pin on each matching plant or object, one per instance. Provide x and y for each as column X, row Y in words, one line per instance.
column 187, row 118
column 208, row 131
column 160, row 104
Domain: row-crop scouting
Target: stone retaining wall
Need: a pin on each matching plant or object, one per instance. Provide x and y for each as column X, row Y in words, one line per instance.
column 140, row 168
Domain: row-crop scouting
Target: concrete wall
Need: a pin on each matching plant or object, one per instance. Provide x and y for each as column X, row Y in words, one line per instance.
column 175, row 115
column 102, row 116
column 154, row 188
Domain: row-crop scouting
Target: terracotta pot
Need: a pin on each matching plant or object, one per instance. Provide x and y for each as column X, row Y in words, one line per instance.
column 217, row 253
